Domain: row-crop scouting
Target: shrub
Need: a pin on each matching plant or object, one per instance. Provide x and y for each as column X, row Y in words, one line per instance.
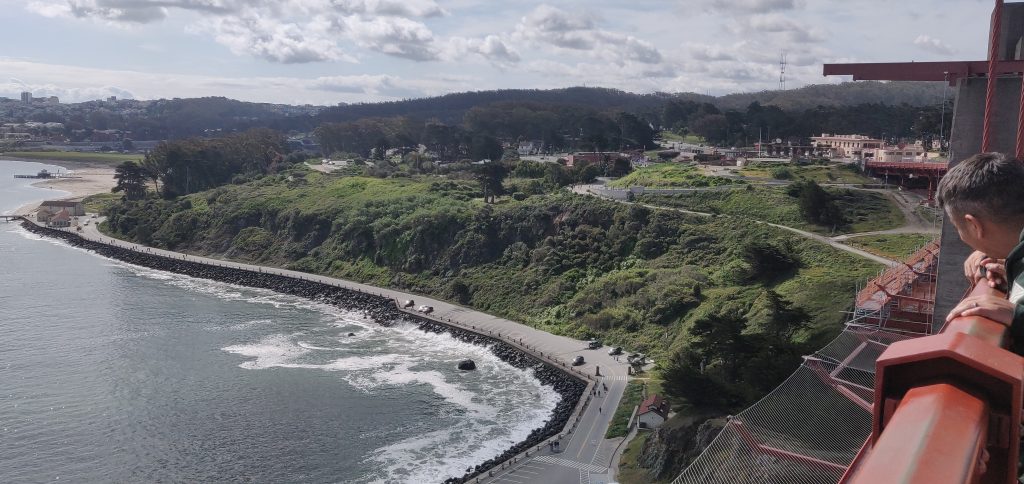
column 782, row 173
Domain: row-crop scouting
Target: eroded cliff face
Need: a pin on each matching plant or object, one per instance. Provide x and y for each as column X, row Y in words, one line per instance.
column 676, row 443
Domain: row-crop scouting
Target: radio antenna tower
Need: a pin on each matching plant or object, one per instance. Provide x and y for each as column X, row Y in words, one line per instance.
column 782, row 71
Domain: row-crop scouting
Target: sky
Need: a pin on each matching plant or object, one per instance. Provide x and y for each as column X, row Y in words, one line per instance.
column 326, row 52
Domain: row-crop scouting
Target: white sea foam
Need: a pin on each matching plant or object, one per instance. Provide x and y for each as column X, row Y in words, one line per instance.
column 272, row 351
column 445, row 453
column 255, row 323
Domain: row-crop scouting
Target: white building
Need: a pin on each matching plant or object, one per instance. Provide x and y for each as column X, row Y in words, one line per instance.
column 897, row 154
column 846, row 145
column 74, row 209
column 652, row 412
column 532, row 147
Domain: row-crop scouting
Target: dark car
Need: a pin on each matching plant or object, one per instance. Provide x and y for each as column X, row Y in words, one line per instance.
column 615, row 351
column 577, row 361
column 593, row 344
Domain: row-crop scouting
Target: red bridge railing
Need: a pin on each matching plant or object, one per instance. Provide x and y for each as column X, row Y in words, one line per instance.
column 947, row 408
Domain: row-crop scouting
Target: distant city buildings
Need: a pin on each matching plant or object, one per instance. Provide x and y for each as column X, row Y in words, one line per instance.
column 26, row 97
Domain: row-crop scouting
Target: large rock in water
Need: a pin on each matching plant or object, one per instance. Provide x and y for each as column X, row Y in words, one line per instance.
column 467, row 365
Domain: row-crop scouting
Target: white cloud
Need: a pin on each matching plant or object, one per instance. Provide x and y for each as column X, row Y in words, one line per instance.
column 397, row 36
column 795, row 31
column 933, row 45
column 745, row 7
column 558, row 28
column 286, row 31
column 278, row 42
column 492, row 48
column 394, row 8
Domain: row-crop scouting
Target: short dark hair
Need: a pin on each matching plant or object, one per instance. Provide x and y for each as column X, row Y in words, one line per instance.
column 987, row 184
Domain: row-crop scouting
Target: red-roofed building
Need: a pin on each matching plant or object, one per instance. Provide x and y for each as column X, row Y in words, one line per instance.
column 652, row 412
column 60, row 219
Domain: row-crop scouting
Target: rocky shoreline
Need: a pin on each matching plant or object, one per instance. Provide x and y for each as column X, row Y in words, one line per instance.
column 382, row 310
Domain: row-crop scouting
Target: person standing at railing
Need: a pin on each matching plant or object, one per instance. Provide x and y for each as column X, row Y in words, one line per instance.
column 984, row 198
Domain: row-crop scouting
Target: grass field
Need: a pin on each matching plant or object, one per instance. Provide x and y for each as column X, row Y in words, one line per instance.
column 99, row 202
column 630, row 471
column 865, row 211
column 690, row 138
column 671, row 175
column 893, row 246
column 73, row 156
column 816, row 173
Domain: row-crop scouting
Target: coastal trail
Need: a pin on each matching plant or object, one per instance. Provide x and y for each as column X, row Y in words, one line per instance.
column 601, row 192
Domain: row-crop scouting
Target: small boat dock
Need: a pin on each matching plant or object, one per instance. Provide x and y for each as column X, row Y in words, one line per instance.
column 46, row 175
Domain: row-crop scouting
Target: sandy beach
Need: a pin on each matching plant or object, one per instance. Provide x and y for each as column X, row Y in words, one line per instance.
column 93, row 179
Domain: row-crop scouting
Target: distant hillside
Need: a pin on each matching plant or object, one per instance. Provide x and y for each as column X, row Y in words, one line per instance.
column 209, row 116
column 450, row 108
column 845, row 94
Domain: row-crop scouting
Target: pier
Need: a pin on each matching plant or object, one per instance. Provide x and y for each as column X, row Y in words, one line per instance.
column 51, row 176
column 46, row 175
column 10, row 218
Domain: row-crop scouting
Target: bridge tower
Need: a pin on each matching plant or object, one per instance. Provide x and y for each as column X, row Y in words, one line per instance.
column 987, row 116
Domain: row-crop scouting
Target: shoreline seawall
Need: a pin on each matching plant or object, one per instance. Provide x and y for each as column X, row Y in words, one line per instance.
column 381, row 310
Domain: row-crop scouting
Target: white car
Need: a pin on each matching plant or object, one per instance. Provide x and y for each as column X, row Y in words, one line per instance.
column 425, row 309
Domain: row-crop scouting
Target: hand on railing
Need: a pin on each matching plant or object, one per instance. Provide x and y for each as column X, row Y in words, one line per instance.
column 989, row 306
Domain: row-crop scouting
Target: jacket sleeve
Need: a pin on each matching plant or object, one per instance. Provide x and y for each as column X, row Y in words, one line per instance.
column 1017, row 328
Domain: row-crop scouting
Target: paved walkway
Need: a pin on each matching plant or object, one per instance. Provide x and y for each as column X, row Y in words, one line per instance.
column 577, row 458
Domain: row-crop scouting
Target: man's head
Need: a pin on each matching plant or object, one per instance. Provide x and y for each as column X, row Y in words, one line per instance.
column 984, row 198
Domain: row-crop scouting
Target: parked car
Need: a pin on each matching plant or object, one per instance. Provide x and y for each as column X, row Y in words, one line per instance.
column 425, row 309
column 593, row 344
column 577, row 361
column 615, row 351
column 409, row 303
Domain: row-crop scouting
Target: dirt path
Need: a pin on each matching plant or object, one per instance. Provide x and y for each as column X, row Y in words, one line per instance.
column 587, row 190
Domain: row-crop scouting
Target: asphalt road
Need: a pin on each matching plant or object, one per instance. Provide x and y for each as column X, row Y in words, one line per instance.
column 583, row 457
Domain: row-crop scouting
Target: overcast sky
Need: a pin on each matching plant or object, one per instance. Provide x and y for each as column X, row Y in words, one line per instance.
column 330, row 51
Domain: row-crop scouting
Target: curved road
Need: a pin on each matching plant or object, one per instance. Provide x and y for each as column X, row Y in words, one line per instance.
column 584, row 458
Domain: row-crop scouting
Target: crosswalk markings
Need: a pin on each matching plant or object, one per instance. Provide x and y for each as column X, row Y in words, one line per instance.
column 571, row 463
column 601, row 455
column 617, row 378
column 584, row 477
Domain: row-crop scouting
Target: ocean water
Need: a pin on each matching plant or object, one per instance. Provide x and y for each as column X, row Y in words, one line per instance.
column 116, row 373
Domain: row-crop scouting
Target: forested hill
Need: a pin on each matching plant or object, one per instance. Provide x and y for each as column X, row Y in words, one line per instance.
column 845, row 94
column 450, row 108
column 180, row 118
